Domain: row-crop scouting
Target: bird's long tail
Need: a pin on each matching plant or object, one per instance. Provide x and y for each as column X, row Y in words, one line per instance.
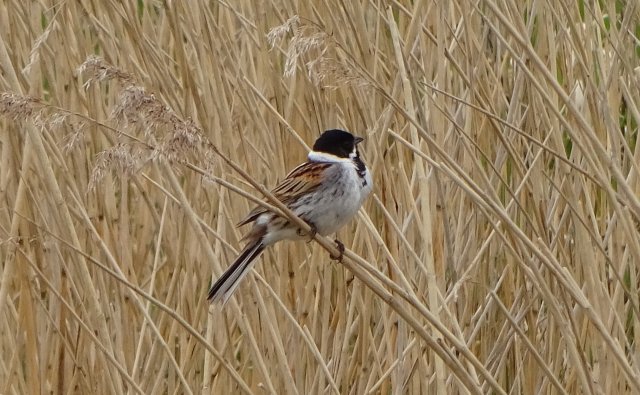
column 228, row 282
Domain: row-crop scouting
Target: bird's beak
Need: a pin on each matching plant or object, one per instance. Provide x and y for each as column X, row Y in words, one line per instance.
column 358, row 140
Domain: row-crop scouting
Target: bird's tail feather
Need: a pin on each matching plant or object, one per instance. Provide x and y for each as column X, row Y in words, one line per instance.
column 223, row 288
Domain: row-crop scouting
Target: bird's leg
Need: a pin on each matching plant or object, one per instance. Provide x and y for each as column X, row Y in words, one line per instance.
column 340, row 248
column 311, row 233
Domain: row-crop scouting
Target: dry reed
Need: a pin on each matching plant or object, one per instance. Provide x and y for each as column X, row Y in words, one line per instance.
column 498, row 253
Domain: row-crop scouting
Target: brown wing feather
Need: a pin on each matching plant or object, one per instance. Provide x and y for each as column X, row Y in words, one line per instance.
column 303, row 179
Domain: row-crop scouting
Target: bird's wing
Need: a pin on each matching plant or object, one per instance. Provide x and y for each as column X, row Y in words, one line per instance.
column 302, row 180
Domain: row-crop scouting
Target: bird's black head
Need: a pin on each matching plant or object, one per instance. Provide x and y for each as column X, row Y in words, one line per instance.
column 337, row 142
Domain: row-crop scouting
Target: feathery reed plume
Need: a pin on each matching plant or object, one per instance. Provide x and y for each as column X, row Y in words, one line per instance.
column 329, row 72
column 305, row 39
column 26, row 108
column 19, row 107
column 123, row 158
column 277, row 33
column 139, row 112
column 74, row 138
column 99, row 70
column 34, row 56
column 325, row 67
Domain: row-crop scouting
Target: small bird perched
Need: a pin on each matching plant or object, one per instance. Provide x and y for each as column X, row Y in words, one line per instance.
column 325, row 192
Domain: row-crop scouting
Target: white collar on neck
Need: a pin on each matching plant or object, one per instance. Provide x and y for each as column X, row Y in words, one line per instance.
column 315, row 156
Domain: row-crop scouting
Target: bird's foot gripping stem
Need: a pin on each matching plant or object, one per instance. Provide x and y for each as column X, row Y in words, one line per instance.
column 340, row 248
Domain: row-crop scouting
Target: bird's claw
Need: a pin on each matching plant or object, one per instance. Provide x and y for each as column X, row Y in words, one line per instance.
column 340, row 248
column 311, row 233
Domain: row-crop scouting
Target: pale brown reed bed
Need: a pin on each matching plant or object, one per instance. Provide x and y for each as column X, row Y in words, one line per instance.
column 498, row 254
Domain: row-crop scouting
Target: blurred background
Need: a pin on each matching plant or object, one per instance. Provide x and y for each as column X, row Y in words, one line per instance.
column 498, row 253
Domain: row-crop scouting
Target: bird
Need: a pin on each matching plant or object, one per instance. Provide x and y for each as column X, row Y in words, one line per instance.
column 326, row 191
